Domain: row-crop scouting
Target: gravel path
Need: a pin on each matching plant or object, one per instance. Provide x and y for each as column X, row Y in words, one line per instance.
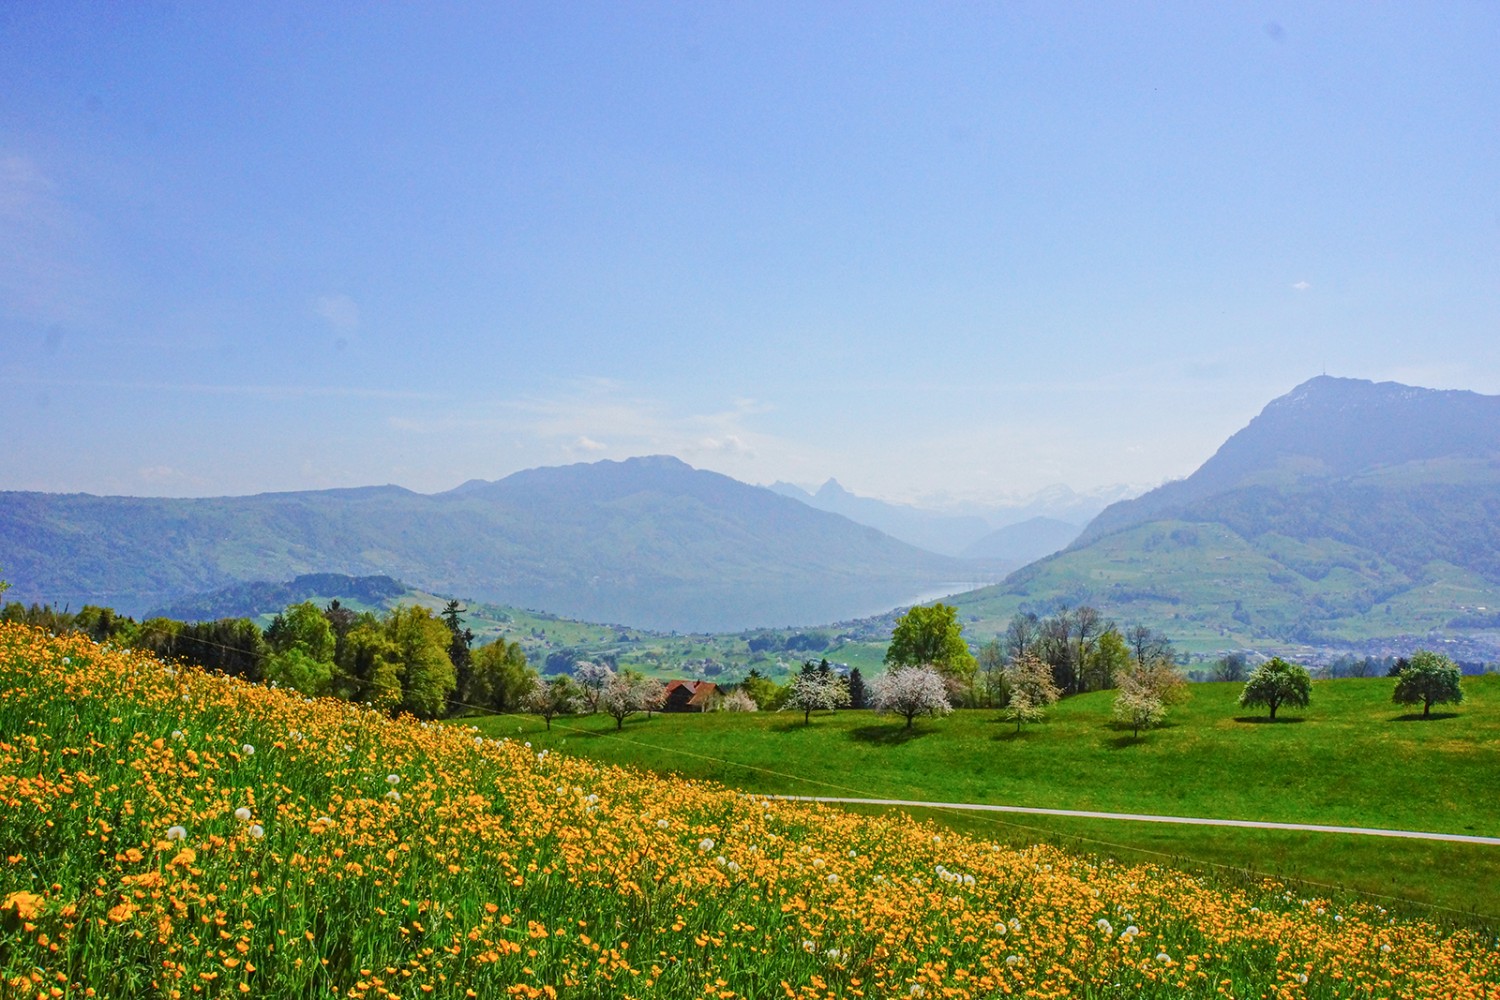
column 1457, row 838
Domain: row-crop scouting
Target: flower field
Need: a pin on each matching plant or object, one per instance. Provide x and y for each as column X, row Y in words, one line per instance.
column 167, row 833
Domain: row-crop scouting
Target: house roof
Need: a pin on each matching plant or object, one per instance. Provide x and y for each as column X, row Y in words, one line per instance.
column 699, row 691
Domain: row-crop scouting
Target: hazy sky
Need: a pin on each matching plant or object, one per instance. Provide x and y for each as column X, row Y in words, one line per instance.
column 968, row 250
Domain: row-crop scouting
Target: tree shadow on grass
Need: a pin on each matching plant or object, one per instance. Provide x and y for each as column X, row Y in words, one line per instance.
column 888, row 735
column 790, row 726
column 1011, row 735
column 1266, row 720
column 1125, row 740
column 1419, row 717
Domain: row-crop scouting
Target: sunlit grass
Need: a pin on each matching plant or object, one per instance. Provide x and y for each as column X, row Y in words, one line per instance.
column 169, row 834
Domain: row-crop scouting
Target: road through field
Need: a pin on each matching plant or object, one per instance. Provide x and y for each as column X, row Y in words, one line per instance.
column 1458, row 838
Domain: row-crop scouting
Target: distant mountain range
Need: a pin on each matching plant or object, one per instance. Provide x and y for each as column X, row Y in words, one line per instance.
column 1346, row 512
column 650, row 542
column 1015, row 533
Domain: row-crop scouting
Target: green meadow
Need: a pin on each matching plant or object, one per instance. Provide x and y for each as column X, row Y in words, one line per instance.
column 1351, row 758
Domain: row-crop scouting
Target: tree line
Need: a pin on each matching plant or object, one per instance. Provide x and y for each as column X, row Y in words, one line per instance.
column 406, row 659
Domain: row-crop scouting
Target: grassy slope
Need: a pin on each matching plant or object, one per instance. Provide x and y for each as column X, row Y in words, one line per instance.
column 1351, row 759
column 496, row 870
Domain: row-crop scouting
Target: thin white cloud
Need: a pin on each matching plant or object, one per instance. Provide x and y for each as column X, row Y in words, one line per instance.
column 267, row 391
column 1302, row 286
column 580, row 417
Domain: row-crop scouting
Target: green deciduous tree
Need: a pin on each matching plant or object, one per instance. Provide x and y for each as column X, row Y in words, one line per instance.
column 1429, row 679
column 295, row 668
column 933, row 635
column 1275, row 683
column 302, row 626
column 427, row 677
column 499, row 677
column 372, row 668
column 765, row 691
column 1108, row 659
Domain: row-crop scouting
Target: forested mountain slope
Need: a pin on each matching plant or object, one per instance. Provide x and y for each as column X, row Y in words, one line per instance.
column 650, row 542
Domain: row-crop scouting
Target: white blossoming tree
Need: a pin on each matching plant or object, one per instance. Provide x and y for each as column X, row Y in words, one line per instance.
column 1032, row 689
column 1145, row 694
column 592, row 679
column 627, row 693
column 816, row 691
column 738, row 700
column 910, row 692
column 558, row 696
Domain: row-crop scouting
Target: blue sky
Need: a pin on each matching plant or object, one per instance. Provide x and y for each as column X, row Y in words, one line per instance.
column 959, row 251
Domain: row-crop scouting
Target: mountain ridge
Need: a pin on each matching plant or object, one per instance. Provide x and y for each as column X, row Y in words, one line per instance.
column 650, row 542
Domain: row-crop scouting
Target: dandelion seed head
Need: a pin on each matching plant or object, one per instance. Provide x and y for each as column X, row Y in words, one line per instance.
column 248, row 750
column 257, row 831
column 176, row 833
column 242, row 814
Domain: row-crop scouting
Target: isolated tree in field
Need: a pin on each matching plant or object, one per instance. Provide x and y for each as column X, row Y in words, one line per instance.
column 591, row 678
column 933, row 636
column 814, row 691
column 1145, row 695
column 910, row 692
column 559, row 696
column 1032, row 689
column 1429, row 679
column 625, row 694
column 1275, row 683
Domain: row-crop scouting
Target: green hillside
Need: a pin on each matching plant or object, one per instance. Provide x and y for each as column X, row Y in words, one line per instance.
column 1350, row 759
column 1209, row 587
column 1349, row 514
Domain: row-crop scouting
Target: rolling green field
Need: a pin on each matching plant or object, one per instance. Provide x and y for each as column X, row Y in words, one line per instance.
column 1350, row 759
